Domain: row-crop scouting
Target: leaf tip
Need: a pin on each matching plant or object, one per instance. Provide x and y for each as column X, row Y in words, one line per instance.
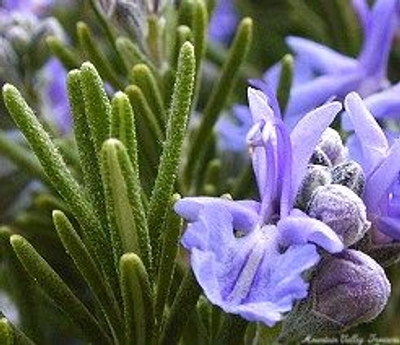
column 8, row 89
column 81, row 26
column 111, row 143
column 247, row 22
column 87, row 66
column 187, row 48
column 288, row 60
column 16, row 240
column 57, row 214
column 120, row 96
column 129, row 259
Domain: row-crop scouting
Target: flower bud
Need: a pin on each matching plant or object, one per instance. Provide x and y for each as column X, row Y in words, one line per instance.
column 317, row 175
column 350, row 175
column 342, row 210
column 130, row 16
column 350, row 288
column 20, row 38
column 18, row 30
column 157, row 6
column 331, row 144
column 107, row 6
column 27, row 35
column 8, row 62
column 329, row 150
column 347, row 289
column 319, row 157
column 38, row 46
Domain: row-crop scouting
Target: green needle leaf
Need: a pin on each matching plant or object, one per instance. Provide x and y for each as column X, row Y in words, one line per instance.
column 132, row 54
column 153, row 38
column 58, row 291
column 186, row 10
column 148, row 132
column 10, row 335
column 220, row 93
column 123, row 127
column 169, row 252
column 85, row 264
column 124, row 204
column 90, row 47
column 6, row 332
column 88, row 158
column 60, row 177
column 232, row 329
column 183, row 34
column 184, row 304
column 142, row 107
column 138, row 300
column 47, row 153
column 178, row 115
column 142, row 76
column 98, row 118
column 97, row 104
column 109, row 33
column 199, row 28
column 21, row 157
column 285, row 82
column 64, row 54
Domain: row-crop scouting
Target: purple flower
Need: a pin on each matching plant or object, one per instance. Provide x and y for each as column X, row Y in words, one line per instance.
column 26, row 32
column 334, row 74
column 232, row 129
column 37, row 7
column 380, row 161
column 223, row 22
column 54, row 99
column 384, row 105
column 248, row 256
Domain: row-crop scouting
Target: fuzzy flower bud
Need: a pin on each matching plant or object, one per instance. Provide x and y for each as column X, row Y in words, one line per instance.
column 18, row 30
column 317, row 175
column 350, row 175
column 8, row 61
column 27, row 34
column 129, row 16
column 342, row 210
column 350, row 288
column 319, row 157
column 347, row 289
column 329, row 148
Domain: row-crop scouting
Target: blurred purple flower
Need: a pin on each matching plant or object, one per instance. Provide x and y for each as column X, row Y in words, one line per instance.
column 380, row 161
column 249, row 257
column 54, row 97
column 223, row 22
column 232, row 129
column 334, row 74
column 51, row 78
column 36, row 7
column 384, row 105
